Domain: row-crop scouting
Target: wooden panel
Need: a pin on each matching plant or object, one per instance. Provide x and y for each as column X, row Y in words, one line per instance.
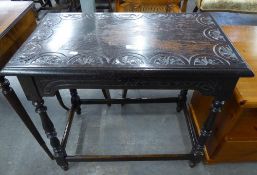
column 244, row 38
column 10, row 13
column 150, row 6
column 245, row 128
column 13, row 39
column 235, row 151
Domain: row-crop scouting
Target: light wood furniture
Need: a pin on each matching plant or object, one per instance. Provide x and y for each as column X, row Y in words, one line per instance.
column 17, row 21
column 248, row 6
column 235, row 138
column 151, row 6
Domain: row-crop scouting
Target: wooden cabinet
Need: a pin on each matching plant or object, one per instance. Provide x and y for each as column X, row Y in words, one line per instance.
column 17, row 22
column 235, row 137
column 154, row 6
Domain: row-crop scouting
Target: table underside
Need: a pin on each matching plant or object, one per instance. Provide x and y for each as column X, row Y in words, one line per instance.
column 33, row 87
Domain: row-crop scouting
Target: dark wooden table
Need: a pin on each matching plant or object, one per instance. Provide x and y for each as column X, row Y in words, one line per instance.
column 127, row 51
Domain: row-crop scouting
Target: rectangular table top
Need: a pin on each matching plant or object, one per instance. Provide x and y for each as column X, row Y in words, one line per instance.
column 75, row 43
column 11, row 12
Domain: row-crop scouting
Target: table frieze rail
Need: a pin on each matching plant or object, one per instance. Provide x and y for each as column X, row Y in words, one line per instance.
column 48, row 86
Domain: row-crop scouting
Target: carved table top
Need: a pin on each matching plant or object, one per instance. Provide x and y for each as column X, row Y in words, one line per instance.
column 73, row 43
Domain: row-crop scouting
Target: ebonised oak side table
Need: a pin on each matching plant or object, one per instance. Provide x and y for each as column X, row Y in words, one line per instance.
column 127, row 51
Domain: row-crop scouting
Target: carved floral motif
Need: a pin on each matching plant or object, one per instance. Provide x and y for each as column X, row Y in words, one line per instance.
column 162, row 16
column 168, row 59
column 51, row 21
column 205, row 20
column 89, row 46
column 44, row 33
column 26, row 53
column 88, row 59
column 128, row 16
column 130, row 59
column 204, row 60
column 48, row 58
column 225, row 51
column 71, row 16
column 213, row 34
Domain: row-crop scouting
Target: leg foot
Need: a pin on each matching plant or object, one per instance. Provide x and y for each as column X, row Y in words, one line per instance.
column 65, row 167
column 59, row 98
column 192, row 164
column 124, row 95
column 75, row 100
column 195, row 9
column 107, row 95
column 79, row 111
column 48, row 126
column 14, row 101
column 206, row 131
column 182, row 97
column 178, row 109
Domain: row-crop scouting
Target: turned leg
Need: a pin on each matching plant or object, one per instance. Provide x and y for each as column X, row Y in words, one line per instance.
column 182, row 97
column 48, row 2
column 110, row 5
column 206, row 131
column 195, row 9
column 124, row 93
column 75, row 99
column 59, row 98
column 107, row 95
column 13, row 100
column 51, row 134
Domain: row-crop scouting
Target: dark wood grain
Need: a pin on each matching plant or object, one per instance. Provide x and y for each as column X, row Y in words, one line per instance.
column 120, row 42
